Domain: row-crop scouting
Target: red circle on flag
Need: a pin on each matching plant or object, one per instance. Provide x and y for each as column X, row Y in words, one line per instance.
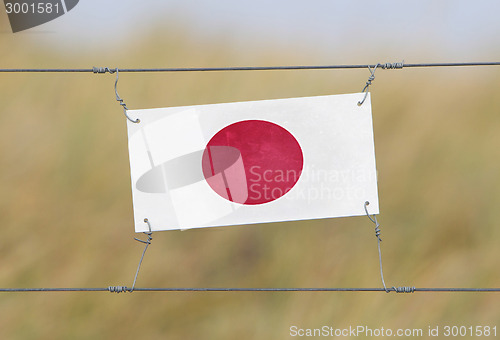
column 252, row 162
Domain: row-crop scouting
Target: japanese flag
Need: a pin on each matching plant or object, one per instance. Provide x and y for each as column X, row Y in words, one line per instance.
column 252, row 162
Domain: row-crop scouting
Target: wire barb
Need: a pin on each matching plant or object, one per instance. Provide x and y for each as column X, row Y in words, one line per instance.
column 404, row 289
column 102, row 70
column 393, row 66
column 118, row 289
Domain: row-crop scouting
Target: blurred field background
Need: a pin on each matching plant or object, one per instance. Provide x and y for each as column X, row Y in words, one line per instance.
column 66, row 207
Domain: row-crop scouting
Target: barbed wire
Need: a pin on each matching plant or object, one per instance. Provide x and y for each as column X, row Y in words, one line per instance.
column 120, row 289
column 398, row 65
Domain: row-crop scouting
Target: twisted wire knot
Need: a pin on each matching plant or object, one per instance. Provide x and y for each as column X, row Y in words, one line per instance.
column 371, row 77
column 118, row 289
column 374, row 220
column 121, row 102
column 392, row 66
column 378, row 232
column 147, row 233
column 103, row 70
column 369, row 81
column 403, row 289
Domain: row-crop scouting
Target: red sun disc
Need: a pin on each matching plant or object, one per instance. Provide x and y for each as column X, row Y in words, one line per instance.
column 252, row 162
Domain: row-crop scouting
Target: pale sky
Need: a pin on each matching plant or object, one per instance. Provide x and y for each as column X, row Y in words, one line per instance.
column 455, row 30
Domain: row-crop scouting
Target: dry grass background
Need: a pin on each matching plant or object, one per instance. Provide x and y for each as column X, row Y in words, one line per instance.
column 66, row 210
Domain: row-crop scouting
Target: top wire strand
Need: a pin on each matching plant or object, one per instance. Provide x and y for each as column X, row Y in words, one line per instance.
column 243, row 68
